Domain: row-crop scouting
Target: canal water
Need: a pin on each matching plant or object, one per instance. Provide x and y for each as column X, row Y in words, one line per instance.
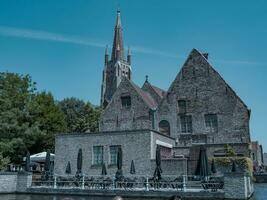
column 260, row 194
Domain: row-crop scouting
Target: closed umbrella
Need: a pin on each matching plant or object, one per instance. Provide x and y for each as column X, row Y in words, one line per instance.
column 47, row 166
column 68, row 168
column 233, row 166
column 132, row 171
column 158, row 170
column 28, row 161
column 202, row 167
column 79, row 162
column 104, row 169
column 119, row 174
column 47, row 162
column 213, row 167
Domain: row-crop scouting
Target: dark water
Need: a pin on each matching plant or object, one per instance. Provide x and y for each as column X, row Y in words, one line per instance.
column 260, row 194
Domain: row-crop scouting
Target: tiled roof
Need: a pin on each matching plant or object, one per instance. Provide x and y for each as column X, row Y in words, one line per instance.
column 145, row 96
column 159, row 91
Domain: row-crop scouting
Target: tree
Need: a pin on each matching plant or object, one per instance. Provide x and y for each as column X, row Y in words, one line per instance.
column 80, row 116
column 28, row 120
column 16, row 92
column 50, row 119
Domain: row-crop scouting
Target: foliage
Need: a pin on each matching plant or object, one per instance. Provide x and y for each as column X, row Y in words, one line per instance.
column 49, row 117
column 229, row 150
column 29, row 120
column 244, row 163
column 3, row 162
column 80, row 116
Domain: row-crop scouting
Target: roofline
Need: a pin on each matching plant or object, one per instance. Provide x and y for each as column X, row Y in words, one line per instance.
column 113, row 132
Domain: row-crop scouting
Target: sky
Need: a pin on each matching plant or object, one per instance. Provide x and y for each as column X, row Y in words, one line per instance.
column 61, row 44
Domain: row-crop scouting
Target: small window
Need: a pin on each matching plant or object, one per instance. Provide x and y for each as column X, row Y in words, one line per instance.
column 182, row 106
column 164, row 127
column 211, row 122
column 186, row 123
column 126, row 101
column 98, row 155
column 113, row 154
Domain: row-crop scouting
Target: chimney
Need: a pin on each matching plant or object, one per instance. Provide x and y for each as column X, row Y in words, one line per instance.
column 206, row 55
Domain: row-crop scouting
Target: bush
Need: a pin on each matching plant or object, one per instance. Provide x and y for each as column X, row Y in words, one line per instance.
column 244, row 163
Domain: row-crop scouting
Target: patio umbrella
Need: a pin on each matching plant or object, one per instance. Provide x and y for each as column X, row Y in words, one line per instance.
column 132, row 171
column 47, row 162
column 104, row 170
column 202, row 166
column 158, row 170
column 68, row 168
column 233, row 166
column 119, row 164
column 79, row 161
column 213, row 167
column 28, row 161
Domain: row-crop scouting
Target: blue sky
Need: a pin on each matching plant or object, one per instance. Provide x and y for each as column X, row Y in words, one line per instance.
column 61, row 44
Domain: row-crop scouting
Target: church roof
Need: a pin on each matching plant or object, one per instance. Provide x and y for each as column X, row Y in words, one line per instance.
column 118, row 48
column 195, row 53
column 148, row 99
column 160, row 92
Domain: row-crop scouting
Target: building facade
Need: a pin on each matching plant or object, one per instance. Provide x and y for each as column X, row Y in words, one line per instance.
column 198, row 109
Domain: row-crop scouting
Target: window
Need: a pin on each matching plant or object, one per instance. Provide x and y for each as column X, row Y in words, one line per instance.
column 113, row 150
column 126, row 101
column 98, row 155
column 164, row 127
column 182, row 106
column 186, row 123
column 211, row 122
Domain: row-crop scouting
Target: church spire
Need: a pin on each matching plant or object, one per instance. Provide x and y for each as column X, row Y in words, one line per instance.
column 117, row 48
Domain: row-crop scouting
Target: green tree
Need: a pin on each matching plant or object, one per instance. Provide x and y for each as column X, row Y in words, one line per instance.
column 16, row 92
column 50, row 119
column 28, row 120
column 80, row 116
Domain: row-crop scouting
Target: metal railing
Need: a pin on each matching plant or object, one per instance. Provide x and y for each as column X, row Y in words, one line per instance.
column 133, row 183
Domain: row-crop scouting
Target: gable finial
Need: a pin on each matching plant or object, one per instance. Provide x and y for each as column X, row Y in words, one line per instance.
column 146, row 78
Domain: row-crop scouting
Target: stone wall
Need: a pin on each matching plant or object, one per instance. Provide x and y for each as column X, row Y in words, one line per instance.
column 205, row 92
column 172, row 167
column 11, row 182
column 138, row 146
column 116, row 118
column 192, row 153
column 237, row 186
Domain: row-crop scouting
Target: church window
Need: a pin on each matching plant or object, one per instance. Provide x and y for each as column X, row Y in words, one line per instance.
column 98, row 155
column 211, row 122
column 186, row 123
column 113, row 151
column 126, row 101
column 164, row 127
column 182, row 106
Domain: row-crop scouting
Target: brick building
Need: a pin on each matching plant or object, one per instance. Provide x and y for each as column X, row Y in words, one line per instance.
column 199, row 108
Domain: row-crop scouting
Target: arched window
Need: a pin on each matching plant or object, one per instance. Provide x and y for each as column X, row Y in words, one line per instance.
column 164, row 127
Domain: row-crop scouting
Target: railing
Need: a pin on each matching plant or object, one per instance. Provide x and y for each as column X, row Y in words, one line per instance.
column 134, row 183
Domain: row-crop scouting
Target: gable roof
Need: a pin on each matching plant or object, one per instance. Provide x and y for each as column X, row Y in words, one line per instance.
column 195, row 53
column 160, row 92
column 148, row 99
column 148, row 87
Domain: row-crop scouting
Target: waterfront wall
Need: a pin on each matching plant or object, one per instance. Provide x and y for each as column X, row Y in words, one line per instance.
column 139, row 146
column 238, row 186
column 12, row 182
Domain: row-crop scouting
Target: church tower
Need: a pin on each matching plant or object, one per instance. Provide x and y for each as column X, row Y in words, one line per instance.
column 117, row 67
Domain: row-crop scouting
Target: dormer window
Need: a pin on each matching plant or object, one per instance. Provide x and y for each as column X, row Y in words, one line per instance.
column 126, row 101
column 182, row 106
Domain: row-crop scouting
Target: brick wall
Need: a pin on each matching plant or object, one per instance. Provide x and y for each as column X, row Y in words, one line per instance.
column 136, row 145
